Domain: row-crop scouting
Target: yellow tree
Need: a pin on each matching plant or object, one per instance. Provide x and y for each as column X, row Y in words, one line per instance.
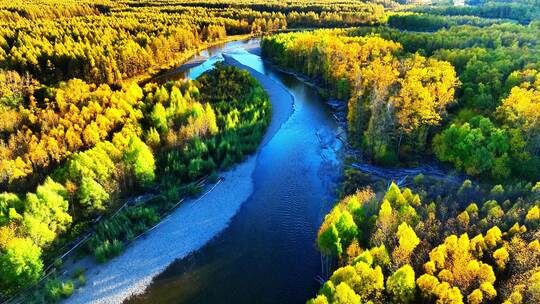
column 407, row 243
column 427, row 86
column 521, row 109
column 456, row 265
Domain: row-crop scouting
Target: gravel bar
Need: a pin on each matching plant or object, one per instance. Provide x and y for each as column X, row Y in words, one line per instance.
column 188, row 228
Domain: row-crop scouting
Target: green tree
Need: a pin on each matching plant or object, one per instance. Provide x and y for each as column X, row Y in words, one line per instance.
column 347, row 228
column 92, row 196
column 140, row 159
column 9, row 204
column 329, row 241
column 478, row 148
column 159, row 118
column 20, row 264
column 345, row 295
column 401, row 285
column 46, row 212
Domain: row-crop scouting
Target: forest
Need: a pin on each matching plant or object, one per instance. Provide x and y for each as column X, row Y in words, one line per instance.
column 84, row 128
column 162, row 137
column 430, row 92
column 102, row 42
column 458, row 84
column 432, row 243
column 78, row 136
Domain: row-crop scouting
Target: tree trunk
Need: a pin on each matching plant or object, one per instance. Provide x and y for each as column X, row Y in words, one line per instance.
column 399, row 144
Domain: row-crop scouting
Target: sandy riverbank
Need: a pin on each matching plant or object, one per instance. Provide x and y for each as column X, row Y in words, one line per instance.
column 188, row 228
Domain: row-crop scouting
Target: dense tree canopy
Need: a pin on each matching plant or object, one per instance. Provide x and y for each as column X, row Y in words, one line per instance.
column 88, row 146
column 21, row 264
column 407, row 251
column 390, row 96
column 396, row 100
column 79, row 135
column 109, row 42
column 449, row 243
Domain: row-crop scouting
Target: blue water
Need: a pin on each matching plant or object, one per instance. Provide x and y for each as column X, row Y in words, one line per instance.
column 234, row 49
column 268, row 252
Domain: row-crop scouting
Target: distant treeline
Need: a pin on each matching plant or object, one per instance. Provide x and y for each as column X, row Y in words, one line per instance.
column 58, row 41
column 425, row 22
column 521, row 12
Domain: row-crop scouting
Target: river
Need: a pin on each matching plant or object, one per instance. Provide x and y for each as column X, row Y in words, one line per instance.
column 268, row 252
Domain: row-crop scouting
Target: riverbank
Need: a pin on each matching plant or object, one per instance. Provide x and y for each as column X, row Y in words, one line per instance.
column 183, row 61
column 294, row 187
column 401, row 174
column 281, row 99
column 188, row 228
